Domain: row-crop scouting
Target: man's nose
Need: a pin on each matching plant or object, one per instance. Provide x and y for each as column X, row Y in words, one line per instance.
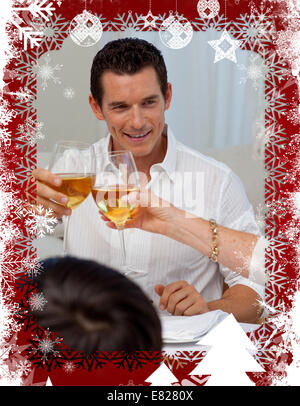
column 137, row 119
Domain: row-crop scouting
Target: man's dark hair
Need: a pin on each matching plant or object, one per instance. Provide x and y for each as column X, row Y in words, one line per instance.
column 126, row 56
column 95, row 308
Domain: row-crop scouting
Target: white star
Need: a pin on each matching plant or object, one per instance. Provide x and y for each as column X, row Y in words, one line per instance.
column 149, row 20
column 225, row 47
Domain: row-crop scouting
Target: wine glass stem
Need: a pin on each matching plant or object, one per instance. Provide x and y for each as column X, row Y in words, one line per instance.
column 67, row 220
column 122, row 243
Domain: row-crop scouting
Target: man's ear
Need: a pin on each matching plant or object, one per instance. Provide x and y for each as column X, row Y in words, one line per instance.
column 96, row 108
column 168, row 97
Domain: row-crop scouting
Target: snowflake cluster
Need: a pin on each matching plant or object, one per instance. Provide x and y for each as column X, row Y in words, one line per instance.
column 14, row 367
column 30, row 132
column 28, row 34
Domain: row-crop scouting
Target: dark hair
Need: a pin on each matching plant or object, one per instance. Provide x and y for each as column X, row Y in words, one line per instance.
column 95, row 308
column 126, row 56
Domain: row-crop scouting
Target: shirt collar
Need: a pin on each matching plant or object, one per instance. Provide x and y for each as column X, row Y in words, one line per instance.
column 102, row 146
column 168, row 164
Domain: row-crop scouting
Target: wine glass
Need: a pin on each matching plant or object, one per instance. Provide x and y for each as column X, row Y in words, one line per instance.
column 74, row 163
column 116, row 176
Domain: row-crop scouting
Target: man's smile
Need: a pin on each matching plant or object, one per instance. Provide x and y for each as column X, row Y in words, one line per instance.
column 137, row 137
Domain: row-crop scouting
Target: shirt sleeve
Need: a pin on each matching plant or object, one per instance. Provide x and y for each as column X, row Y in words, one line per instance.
column 236, row 212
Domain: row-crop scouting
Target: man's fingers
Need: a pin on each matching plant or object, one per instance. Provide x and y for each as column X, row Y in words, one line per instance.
column 111, row 224
column 47, row 192
column 196, row 309
column 44, row 175
column 58, row 210
column 184, row 305
column 103, row 217
column 48, row 197
column 174, row 301
column 159, row 289
column 168, row 291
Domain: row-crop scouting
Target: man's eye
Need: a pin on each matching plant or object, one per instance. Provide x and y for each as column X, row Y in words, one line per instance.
column 120, row 107
column 148, row 102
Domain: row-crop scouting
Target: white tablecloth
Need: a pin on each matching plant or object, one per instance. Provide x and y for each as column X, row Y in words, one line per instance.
column 197, row 347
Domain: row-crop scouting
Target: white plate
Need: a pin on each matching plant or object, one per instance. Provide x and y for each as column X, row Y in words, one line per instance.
column 180, row 341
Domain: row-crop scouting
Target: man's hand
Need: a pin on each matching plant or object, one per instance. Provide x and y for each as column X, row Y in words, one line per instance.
column 181, row 299
column 46, row 196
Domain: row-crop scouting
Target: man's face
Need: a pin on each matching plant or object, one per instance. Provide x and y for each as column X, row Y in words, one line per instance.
column 133, row 107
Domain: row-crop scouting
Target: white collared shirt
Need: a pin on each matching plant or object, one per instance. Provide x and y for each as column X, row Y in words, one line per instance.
column 218, row 194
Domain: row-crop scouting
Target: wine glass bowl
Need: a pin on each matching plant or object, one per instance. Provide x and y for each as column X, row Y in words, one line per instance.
column 74, row 163
column 116, row 176
column 76, row 186
column 112, row 202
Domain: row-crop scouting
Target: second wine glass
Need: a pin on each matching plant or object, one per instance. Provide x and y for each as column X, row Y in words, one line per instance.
column 116, row 176
column 74, row 163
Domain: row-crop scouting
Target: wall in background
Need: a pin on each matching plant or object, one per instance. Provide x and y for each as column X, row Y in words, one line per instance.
column 215, row 105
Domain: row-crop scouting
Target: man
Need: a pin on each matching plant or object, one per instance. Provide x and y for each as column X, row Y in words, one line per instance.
column 130, row 91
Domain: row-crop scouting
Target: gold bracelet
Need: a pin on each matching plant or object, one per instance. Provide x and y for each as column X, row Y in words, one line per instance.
column 215, row 251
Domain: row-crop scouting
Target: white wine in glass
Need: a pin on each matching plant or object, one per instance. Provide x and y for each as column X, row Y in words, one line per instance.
column 74, row 163
column 116, row 176
column 112, row 203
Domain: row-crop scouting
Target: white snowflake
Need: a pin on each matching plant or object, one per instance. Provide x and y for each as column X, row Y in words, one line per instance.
column 287, row 46
column 37, row 8
column 255, row 71
column 37, row 301
column 276, row 136
column 46, row 72
column 69, row 93
column 32, row 266
column 24, row 67
column 175, row 359
column 24, row 367
column 30, row 132
column 204, row 24
column 69, row 367
column 129, row 21
column 274, row 104
column 55, row 31
column 46, row 345
column 255, row 29
column 41, row 221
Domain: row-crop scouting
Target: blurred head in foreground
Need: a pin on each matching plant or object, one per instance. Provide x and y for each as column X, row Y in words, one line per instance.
column 95, row 308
